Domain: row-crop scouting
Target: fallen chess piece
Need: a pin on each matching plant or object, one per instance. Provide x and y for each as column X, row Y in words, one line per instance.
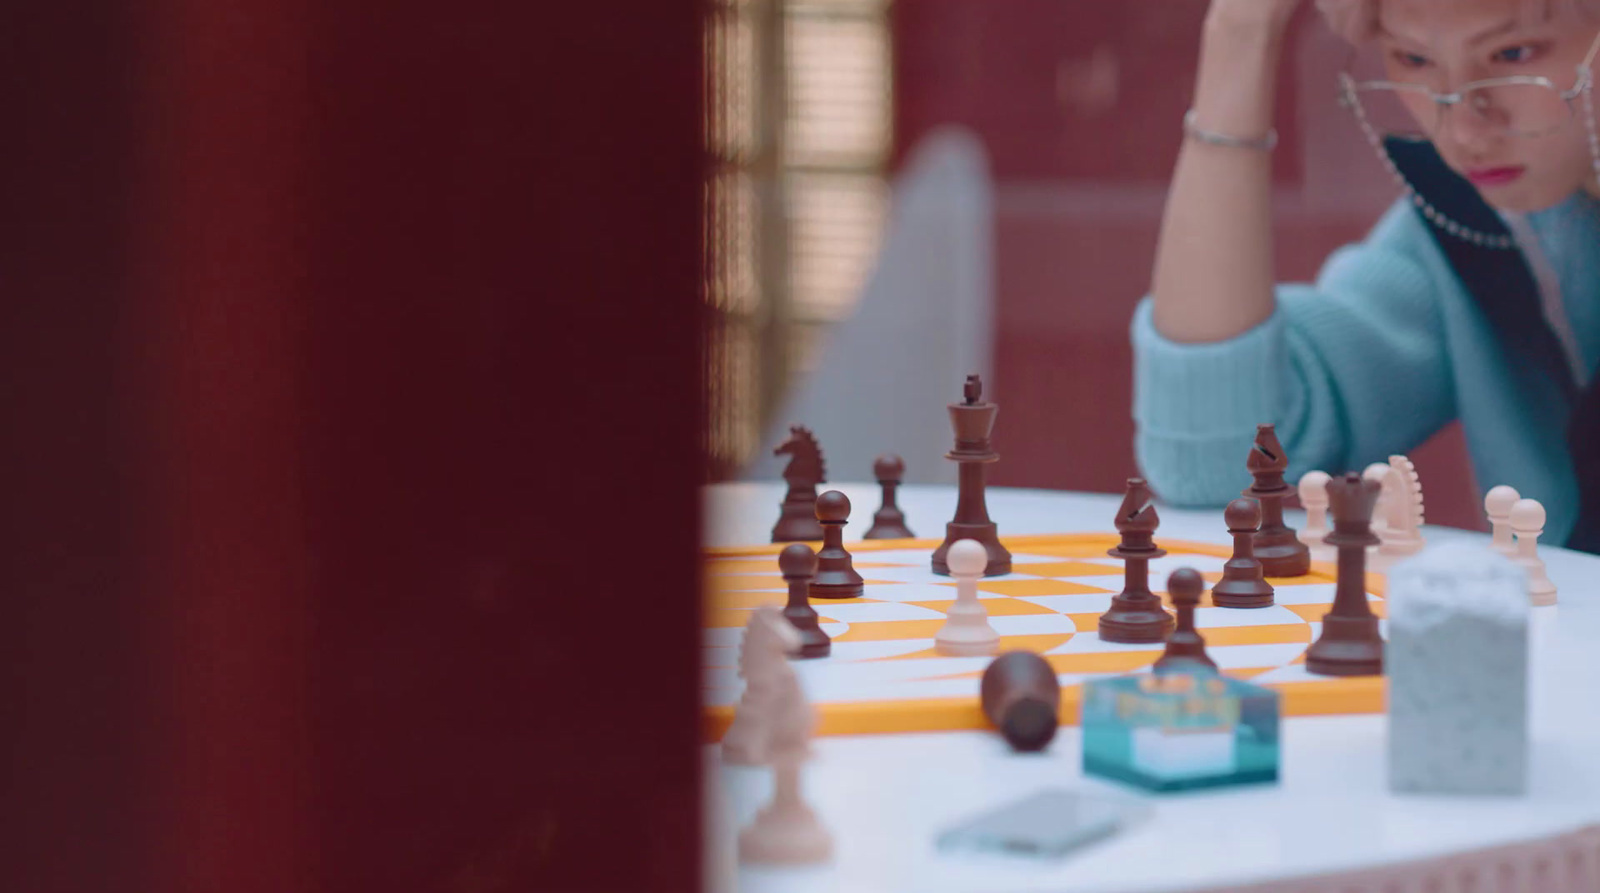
column 1458, row 673
column 1022, row 697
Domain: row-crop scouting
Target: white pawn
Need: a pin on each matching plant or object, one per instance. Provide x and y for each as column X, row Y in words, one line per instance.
column 769, row 638
column 1497, row 505
column 966, row 632
column 1314, row 498
column 1527, row 522
column 786, row 831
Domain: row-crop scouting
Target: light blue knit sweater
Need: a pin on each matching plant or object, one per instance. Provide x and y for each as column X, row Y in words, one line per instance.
column 1381, row 352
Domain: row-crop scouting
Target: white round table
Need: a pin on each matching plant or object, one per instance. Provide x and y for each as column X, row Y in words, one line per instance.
column 886, row 797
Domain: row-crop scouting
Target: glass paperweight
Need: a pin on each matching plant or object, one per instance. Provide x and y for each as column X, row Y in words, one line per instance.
column 1183, row 729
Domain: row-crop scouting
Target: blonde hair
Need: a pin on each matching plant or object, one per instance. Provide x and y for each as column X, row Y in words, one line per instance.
column 1357, row 20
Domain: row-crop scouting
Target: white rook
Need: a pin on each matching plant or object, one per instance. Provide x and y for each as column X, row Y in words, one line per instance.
column 1457, row 660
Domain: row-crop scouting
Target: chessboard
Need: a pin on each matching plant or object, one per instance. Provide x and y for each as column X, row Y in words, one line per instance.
column 883, row 674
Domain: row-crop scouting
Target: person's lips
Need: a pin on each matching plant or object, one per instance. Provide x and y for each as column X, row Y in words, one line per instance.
column 1494, row 176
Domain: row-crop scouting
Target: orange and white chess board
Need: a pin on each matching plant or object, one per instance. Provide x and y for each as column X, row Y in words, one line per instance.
column 884, row 675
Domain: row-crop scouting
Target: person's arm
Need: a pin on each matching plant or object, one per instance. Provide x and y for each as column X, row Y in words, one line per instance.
column 1351, row 369
column 1213, row 277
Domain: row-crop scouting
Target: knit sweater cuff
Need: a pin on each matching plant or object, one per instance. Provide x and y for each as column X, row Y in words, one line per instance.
column 1196, row 406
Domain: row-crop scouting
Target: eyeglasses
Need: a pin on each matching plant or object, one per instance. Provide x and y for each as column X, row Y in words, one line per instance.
column 1521, row 105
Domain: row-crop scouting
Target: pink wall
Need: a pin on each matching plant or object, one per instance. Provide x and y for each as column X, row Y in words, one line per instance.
column 1079, row 103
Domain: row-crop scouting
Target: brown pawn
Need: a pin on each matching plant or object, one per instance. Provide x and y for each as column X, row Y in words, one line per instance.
column 1022, row 697
column 1185, row 645
column 972, row 419
column 1277, row 546
column 836, row 576
column 1136, row 615
column 799, row 564
column 888, row 522
column 1350, row 644
column 1243, row 583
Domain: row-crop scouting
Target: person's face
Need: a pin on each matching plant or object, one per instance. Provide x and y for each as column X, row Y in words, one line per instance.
column 1445, row 44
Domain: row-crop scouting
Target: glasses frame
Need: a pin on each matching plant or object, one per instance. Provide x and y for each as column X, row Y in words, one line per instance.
column 1350, row 90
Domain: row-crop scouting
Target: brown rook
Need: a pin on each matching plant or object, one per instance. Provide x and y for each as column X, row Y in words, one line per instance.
column 1022, row 697
column 836, row 575
column 1350, row 644
column 1185, row 646
column 799, row 564
column 1243, row 584
column 973, row 420
column 1277, row 547
column 1136, row 615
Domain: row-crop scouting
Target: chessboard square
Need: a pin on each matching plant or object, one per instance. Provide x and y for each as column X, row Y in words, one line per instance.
column 1088, row 641
column 920, row 592
column 896, row 557
column 1257, row 635
column 1023, row 588
column 890, row 629
column 735, row 582
column 1058, row 568
column 1032, row 624
column 902, row 574
column 1101, row 662
column 1305, row 594
column 1272, row 615
column 1078, row 603
column 873, row 612
column 1029, row 558
column 766, row 564
column 998, row 606
column 744, row 599
column 1161, row 568
column 1232, row 657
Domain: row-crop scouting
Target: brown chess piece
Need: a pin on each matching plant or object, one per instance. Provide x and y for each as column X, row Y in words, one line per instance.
column 973, row 420
column 1243, row 584
column 1185, row 645
column 1278, row 548
column 836, row 575
column 1136, row 615
column 1022, row 697
column 888, row 522
column 799, row 564
column 798, row 518
column 1350, row 644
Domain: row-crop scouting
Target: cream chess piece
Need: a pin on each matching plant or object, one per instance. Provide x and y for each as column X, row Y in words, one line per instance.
column 1527, row 522
column 966, row 631
column 1314, row 499
column 786, row 831
column 1403, row 521
column 1497, row 505
column 769, row 681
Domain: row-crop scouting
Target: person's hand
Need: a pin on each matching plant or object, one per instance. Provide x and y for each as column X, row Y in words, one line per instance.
column 1272, row 15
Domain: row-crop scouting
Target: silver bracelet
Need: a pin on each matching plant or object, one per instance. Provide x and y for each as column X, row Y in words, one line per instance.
column 1263, row 144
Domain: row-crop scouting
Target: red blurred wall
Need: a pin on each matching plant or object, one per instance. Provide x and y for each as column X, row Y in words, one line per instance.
column 1079, row 105
column 337, row 337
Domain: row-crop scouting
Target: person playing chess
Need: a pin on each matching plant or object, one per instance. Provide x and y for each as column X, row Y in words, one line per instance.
column 1476, row 296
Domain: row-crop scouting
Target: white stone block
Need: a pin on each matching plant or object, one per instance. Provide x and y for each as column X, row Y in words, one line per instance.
column 1457, row 660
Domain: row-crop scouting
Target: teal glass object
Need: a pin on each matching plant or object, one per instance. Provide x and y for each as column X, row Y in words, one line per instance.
column 1186, row 728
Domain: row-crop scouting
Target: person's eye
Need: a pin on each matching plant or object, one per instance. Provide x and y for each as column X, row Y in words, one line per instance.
column 1517, row 55
column 1410, row 60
